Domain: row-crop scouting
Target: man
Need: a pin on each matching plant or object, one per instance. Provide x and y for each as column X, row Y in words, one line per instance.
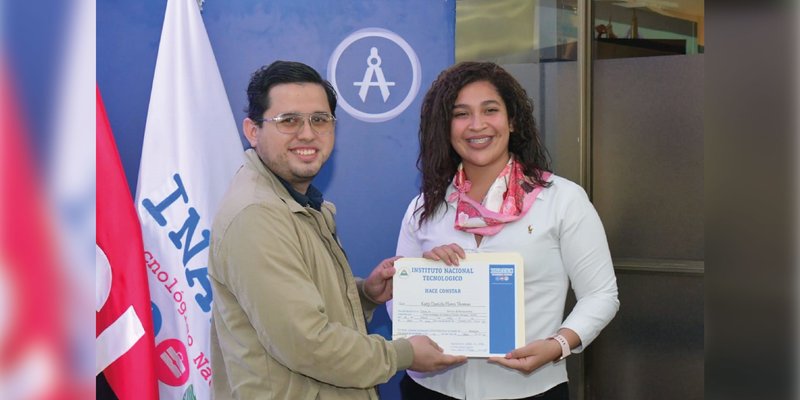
column 289, row 318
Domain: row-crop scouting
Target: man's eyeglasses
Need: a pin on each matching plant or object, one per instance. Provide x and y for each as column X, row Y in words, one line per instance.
column 291, row 123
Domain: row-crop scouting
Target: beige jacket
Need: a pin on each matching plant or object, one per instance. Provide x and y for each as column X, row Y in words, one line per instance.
column 289, row 318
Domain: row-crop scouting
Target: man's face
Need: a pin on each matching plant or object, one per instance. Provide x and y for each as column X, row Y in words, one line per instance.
column 297, row 158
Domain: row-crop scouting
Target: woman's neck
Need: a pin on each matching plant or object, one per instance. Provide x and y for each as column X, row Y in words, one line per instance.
column 482, row 178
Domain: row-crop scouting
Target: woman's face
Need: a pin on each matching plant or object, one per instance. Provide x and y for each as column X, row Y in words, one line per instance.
column 480, row 128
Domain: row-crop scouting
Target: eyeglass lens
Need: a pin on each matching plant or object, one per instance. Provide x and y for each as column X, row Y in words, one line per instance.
column 292, row 123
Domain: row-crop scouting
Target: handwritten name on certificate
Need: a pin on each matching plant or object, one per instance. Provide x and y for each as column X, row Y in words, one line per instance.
column 475, row 309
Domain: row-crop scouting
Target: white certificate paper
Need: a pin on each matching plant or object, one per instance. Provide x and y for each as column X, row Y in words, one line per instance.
column 475, row 309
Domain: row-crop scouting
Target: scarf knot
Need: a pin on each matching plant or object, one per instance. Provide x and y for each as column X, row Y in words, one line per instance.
column 508, row 199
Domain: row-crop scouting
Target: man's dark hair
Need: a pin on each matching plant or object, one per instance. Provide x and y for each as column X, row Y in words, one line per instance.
column 277, row 73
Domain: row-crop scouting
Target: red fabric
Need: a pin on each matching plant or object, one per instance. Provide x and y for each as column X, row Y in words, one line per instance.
column 132, row 376
column 32, row 326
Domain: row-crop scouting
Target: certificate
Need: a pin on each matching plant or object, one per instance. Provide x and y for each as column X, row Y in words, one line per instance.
column 475, row 309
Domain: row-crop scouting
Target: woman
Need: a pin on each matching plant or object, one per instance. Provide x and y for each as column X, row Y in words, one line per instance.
column 487, row 187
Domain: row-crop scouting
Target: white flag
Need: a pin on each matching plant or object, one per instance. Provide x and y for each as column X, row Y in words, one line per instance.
column 71, row 179
column 190, row 152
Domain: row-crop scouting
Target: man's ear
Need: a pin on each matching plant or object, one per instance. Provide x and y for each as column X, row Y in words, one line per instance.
column 250, row 130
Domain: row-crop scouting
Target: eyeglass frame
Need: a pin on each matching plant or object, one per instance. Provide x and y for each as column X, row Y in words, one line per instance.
column 305, row 117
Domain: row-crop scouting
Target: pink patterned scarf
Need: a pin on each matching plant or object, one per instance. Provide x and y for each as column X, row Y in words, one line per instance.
column 508, row 199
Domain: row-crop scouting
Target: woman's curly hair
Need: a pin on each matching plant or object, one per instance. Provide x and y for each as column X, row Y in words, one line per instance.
column 438, row 160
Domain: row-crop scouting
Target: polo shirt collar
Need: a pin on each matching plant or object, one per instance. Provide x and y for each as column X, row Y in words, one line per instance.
column 312, row 198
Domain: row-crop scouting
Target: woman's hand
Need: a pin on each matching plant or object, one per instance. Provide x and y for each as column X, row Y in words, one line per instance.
column 530, row 357
column 449, row 253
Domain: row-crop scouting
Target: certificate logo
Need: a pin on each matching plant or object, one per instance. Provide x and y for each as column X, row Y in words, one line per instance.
column 376, row 73
column 501, row 274
column 403, row 273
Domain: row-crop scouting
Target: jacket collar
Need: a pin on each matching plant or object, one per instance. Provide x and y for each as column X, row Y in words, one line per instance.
column 254, row 161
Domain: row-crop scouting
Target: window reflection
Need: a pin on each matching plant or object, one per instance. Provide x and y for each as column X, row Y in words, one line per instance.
column 524, row 31
column 645, row 28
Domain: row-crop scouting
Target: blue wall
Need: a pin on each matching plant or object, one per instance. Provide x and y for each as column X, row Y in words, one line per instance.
column 372, row 174
column 33, row 57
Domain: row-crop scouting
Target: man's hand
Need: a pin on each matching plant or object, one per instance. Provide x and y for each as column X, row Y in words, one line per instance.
column 429, row 357
column 378, row 285
column 530, row 357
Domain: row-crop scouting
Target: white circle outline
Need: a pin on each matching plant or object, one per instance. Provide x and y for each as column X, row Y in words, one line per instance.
column 415, row 69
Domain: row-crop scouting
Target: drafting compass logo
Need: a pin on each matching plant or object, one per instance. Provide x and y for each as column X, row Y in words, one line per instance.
column 373, row 70
column 371, row 61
